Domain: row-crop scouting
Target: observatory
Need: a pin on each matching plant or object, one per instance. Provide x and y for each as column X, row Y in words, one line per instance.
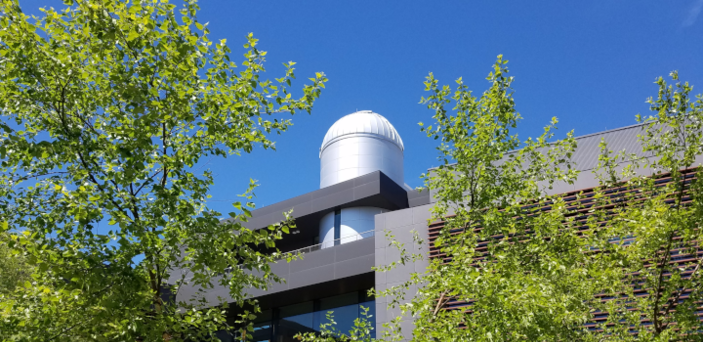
column 355, row 145
column 358, row 144
column 341, row 232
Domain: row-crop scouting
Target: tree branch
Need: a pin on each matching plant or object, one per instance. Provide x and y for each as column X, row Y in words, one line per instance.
column 660, row 279
column 680, row 292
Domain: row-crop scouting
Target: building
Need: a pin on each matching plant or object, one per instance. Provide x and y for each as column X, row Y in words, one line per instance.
column 340, row 228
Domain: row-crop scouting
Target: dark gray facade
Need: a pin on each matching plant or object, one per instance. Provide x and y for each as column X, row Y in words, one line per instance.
column 346, row 268
column 322, row 273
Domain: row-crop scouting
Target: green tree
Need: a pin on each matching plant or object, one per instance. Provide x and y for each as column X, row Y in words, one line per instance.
column 518, row 264
column 107, row 109
column 524, row 265
column 14, row 270
column 487, row 177
column 501, row 256
column 656, row 219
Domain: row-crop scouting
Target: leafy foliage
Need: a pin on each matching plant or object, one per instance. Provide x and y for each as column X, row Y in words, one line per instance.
column 108, row 107
column 655, row 223
column 515, row 262
column 499, row 253
column 14, row 270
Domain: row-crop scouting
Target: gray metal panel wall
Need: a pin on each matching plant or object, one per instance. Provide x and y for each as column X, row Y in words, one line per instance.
column 366, row 190
column 321, row 266
column 586, row 156
column 417, row 198
column 401, row 223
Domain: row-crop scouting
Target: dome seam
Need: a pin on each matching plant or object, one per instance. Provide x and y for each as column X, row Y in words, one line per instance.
column 354, row 135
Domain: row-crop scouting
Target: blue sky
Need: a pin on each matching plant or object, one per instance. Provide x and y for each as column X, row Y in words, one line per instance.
column 590, row 63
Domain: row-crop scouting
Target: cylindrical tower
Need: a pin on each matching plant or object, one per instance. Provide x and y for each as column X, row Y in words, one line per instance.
column 347, row 225
column 357, row 144
column 360, row 143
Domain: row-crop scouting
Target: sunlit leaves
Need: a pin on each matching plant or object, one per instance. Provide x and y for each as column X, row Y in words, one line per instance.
column 108, row 111
column 655, row 241
column 489, row 188
column 519, row 264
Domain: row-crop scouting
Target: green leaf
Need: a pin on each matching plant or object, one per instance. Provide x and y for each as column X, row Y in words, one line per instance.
column 115, row 108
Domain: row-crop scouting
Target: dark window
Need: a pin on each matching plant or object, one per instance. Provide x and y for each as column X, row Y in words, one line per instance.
column 337, row 225
column 281, row 324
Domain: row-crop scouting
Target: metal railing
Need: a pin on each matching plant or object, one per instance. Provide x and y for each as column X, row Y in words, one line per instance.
column 327, row 244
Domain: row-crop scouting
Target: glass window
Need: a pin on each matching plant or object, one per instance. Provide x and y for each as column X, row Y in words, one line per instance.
column 370, row 314
column 344, row 308
column 303, row 322
column 262, row 331
column 344, row 316
column 308, row 316
column 263, row 326
column 224, row 336
column 371, row 305
column 339, row 301
column 263, row 316
column 297, row 318
column 296, row 309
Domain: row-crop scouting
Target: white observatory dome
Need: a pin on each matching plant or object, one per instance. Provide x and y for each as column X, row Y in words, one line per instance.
column 363, row 121
column 361, row 143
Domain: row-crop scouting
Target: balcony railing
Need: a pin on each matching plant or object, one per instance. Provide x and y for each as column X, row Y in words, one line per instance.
column 319, row 246
column 326, row 244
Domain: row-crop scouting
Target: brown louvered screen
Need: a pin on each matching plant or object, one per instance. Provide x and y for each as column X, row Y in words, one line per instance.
column 583, row 206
